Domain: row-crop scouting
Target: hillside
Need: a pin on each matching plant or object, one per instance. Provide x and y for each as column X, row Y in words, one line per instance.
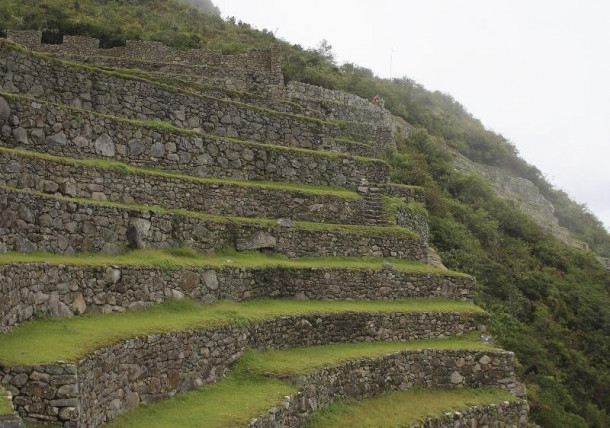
column 547, row 301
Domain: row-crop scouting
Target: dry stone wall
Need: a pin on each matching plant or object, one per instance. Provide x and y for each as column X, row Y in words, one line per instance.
column 75, row 133
column 512, row 414
column 255, row 84
column 258, row 71
column 406, row 193
column 413, row 220
column 29, row 291
column 118, row 378
column 266, row 62
column 32, row 222
column 399, row 371
column 336, row 104
column 211, row 197
column 105, row 93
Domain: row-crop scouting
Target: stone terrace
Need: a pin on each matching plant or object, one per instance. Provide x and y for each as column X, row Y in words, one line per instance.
column 98, row 162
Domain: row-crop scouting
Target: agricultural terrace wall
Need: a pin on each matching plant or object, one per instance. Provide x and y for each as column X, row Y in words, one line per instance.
column 75, row 133
column 114, row 184
column 54, row 81
column 117, row 378
column 32, row 222
column 361, row 379
column 232, row 79
column 256, row 71
column 255, row 88
column 504, row 414
column 33, row 290
column 414, row 220
column 267, row 62
column 337, row 104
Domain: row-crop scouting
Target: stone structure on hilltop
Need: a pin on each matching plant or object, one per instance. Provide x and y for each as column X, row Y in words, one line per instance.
column 98, row 162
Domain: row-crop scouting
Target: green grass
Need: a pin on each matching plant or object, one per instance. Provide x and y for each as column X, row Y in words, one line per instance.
column 69, row 339
column 389, row 231
column 232, row 402
column 247, row 392
column 186, row 257
column 127, row 169
column 391, row 205
column 307, row 359
column 399, row 409
column 167, row 127
column 5, row 406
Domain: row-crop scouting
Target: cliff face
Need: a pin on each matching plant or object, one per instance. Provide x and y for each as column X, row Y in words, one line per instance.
column 521, row 192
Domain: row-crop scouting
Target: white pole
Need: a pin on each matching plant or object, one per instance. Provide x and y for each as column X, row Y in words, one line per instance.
column 391, row 58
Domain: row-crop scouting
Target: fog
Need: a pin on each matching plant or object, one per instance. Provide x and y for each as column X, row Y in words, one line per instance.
column 536, row 72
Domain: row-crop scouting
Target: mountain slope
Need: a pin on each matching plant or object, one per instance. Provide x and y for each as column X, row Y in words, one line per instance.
column 549, row 302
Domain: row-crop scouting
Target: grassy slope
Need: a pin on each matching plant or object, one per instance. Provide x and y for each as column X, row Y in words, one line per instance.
column 401, row 408
column 308, row 359
column 186, row 257
column 50, row 340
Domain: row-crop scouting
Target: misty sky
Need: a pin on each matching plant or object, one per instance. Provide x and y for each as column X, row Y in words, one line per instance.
column 538, row 72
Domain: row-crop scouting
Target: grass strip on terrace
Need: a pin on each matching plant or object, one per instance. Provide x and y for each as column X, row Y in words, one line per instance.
column 389, row 231
column 161, row 126
column 70, row 339
column 128, row 169
column 177, row 258
column 401, row 408
column 307, row 359
column 232, row 402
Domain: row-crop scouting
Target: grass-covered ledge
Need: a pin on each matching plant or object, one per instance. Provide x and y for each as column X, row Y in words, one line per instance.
column 60, row 339
column 250, row 390
column 403, row 408
column 392, row 231
column 232, row 402
column 296, row 361
column 184, row 257
column 161, row 126
column 105, row 164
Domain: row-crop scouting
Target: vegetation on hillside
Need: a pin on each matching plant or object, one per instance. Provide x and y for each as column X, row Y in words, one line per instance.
column 549, row 303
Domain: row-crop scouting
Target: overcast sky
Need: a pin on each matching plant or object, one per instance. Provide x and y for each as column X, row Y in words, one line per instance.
column 538, row 72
